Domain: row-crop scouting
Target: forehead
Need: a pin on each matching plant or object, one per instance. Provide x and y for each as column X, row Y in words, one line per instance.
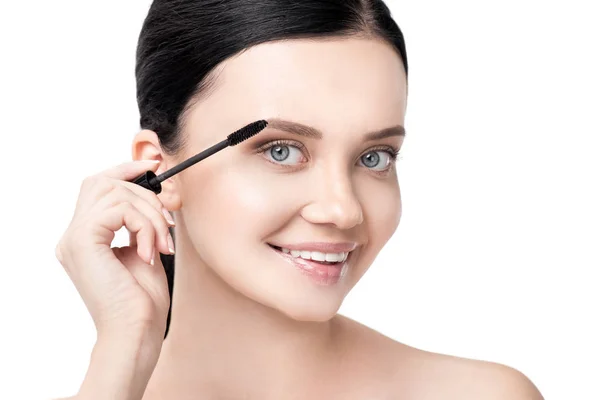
column 335, row 85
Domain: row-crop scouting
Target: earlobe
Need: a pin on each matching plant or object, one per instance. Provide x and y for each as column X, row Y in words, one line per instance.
column 169, row 195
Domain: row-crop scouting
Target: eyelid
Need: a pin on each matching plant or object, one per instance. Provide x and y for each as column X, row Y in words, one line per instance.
column 263, row 146
column 393, row 149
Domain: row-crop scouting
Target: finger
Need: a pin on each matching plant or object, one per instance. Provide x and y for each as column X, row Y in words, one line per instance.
column 151, row 198
column 95, row 186
column 132, row 239
column 131, row 170
column 126, row 214
column 123, row 194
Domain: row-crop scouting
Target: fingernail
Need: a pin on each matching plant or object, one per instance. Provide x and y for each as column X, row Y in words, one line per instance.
column 168, row 216
column 152, row 259
column 145, row 161
column 170, row 243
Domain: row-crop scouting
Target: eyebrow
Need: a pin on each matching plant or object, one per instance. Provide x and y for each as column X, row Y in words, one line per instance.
column 311, row 132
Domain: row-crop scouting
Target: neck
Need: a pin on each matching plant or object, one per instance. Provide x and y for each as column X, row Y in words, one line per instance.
column 226, row 344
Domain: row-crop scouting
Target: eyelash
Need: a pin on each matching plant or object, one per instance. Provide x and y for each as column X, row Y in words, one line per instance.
column 393, row 152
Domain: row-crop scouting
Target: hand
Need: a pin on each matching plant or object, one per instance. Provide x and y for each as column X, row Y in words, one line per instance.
column 123, row 292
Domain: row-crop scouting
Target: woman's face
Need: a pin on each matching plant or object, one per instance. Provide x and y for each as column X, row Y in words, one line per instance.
column 312, row 176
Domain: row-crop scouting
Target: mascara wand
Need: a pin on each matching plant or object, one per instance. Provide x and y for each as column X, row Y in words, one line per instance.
column 150, row 181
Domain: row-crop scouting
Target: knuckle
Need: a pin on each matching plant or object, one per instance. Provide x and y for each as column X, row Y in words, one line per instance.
column 126, row 207
column 61, row 251
column 164, row 226
column 88, row 182
column 58, row 252
column 98, row 184
column 156, row 203
column 114, row 198
column 119, row 190
column 159, row 224
column 144, row 221
column 151, row 198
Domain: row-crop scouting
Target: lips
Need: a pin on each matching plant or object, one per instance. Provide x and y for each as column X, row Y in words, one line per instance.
column 320, row 272
column 315, row 261
column 323, row 247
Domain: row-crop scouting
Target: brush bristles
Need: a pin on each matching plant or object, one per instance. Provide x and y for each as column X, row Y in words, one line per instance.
column 246, row 132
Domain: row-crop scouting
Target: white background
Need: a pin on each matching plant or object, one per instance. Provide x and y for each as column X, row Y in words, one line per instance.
column 498, row 249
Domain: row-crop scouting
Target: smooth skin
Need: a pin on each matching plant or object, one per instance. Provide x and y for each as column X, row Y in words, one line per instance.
column 244, row 324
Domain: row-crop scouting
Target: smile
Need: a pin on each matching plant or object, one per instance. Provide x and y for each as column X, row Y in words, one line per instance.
column 314, row 264
column 324, row 258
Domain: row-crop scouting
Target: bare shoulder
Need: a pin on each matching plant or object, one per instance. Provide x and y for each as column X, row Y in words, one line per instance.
column 474, row 379
column 413, row 373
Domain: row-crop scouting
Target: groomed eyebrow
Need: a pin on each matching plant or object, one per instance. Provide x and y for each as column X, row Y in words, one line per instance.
column 311, row 132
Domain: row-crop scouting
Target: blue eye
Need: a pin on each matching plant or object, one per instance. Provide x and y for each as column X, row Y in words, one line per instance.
column 283, row 152
column 375, row 157
column 279, row 152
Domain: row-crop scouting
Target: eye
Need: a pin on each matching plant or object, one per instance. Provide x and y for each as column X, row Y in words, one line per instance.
column 282, row 152
column 379, row 160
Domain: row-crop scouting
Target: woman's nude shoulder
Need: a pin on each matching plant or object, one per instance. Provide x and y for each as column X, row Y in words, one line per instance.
column 388, row 369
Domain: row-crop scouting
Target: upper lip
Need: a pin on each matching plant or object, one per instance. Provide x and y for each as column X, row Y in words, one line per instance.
column 323, row 247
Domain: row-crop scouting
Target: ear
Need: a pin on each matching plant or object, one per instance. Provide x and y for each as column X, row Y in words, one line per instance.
column 146, row 146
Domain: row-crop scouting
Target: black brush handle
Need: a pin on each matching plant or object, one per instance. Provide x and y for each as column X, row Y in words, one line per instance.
column 148, row 180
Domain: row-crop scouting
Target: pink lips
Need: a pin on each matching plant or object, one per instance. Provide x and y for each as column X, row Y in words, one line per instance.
column 321, row 274
column 324, row 247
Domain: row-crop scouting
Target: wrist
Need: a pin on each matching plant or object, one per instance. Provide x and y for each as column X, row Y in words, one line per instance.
column 120, row 367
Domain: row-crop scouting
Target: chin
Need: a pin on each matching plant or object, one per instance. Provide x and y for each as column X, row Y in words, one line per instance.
column 305, row 313
column 292, row 300
column 297, row 289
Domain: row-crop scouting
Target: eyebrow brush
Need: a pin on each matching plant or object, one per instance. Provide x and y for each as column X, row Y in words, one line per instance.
column 150, row 181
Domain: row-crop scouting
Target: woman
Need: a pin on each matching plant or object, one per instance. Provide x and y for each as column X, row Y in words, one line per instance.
column 331, row 78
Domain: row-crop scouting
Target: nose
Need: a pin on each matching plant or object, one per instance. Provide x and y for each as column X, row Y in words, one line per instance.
column 334, row 202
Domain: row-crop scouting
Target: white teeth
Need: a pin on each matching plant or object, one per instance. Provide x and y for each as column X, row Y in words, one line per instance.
column 317, row 255
column 334, row 257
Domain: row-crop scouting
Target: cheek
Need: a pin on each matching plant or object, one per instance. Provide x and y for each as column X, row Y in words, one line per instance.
column 385, row 215
column 382, row 209
column 234, row 207
column 382, row 205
